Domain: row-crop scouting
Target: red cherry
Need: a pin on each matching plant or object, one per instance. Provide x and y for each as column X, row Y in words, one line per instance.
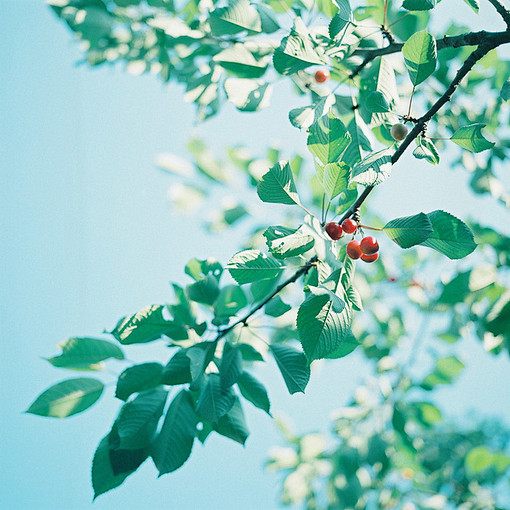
column 370, row 258
column 321, row 75
column 349, row 226
column 392, row 279
column 354, row 250
column 334, row 230
column 369, row 245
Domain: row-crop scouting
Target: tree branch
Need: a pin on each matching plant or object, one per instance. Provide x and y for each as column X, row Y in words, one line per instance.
column 243, row 320
column 456, row 41
column 494, row 41
column 502, row 10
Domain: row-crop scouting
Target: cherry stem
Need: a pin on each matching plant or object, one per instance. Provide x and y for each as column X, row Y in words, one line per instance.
column 370, row 228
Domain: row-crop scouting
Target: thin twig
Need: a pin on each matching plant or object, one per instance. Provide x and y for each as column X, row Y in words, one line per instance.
column 482, row 50
column 244, row 320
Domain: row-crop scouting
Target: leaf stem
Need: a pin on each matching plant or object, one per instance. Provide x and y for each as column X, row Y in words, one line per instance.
column 370, row 228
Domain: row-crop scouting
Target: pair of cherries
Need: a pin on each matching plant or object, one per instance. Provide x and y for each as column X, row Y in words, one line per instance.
column 367, row 250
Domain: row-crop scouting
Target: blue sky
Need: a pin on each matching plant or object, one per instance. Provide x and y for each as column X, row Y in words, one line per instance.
column 88, row 236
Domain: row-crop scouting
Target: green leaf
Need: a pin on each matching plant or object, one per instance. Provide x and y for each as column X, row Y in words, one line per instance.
column 103, row 477
column 231, row 366
column 420, row 55
column 147, row 325
column 419, row 5
column 241, row 61
column 138, row 378
column 177, row 370
column 277, row 185
column 467, row 282
column 425, row 149
column 340, row 19
column 474, row 4
column 235, row 18
column 445, row 371
column 293, row 366
column 282, row 244
column 410, row 230
column 303, row 117
column 254, row 391
column 268, row 19
column 251, row 265
column 248, row 95
column 85, row 353
column 138, row 419
column 71, row 396
column 471, row 138
column 451, row 236
column 231, row 300
column 249, row 353
column 505, row 91
column 173, row 445
column 336, row 178
column 214, row 401
column 373, row 169
column 200, row 355
column 204, row 291
column 276, row 307
column 328, row 138
column 233, row 424
column 296, row 51
column 346, row 347
column 376, row 102
column 321, row 328
column 360, row 140
column 498, row 318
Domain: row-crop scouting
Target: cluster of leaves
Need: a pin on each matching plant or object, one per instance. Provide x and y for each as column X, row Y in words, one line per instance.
column 391, row 449
column 227, row 52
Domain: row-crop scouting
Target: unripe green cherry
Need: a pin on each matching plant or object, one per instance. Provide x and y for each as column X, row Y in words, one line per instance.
column 399, row 132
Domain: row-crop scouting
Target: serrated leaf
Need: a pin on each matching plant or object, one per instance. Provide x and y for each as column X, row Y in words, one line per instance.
column 231, row 366
column 419, row 5
column 103, row 477
column 235, row 18
column 233, row 424
column 200, row 355
column 420, row 56
column 138, row 378
column 373, row 169
column 303, row 117
column 410, row 230
column 277, row 186
column 336, row 178
column 296, row 51
column 173, row 445
column 248, row 95
column 239, row 60
column 471, row 138
column 451, row 236
column 251, row 265
column 328, row 138
column 425, row 149
column 293, row 366
column 138, row 419
column 214, row 401
column 321, row 329
column 340, row 19
column 376, row 102
column 276, row 307
column 231, row 300
column 177, row 370
column 83, row 353
column 291, row 245
column 254, row 391
column 68, row 397
column 147, row 325
column 359, row 140
column 346, row 347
